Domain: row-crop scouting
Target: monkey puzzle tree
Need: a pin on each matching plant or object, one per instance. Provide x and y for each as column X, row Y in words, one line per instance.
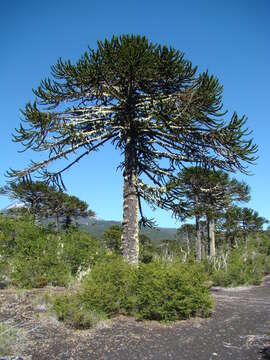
column 186, row 231
column 198, row 192
column 36, row 196
column 44, row 201
column 222, row 193
column 243, row 221
column 72, row 208
column 148, row 101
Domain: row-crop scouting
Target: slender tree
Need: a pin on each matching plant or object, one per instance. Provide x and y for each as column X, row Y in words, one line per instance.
column 222, row 193
column 148, row 101
column 199, row 192
column 187, row 232
column 243, row 222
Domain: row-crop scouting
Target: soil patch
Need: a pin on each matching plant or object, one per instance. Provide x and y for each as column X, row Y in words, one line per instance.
column 238, row 329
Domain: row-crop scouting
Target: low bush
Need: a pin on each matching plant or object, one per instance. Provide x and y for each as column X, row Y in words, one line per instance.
column 34, row 256
column 240, row 271
column 35, row 261
column 159, row 291
column 110, row 287
column 75, row 314
column 80, row 250
column 169, row 291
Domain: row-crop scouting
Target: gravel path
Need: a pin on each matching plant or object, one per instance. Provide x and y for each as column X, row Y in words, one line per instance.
column 237, row 330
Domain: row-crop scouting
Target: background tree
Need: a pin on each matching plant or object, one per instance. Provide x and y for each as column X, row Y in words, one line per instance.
column 112, row 238
column 35, row 196
column 73, row 208
column 147, row 249
column 44, row 201
column 187, row 232
column 243, row 222
column 148, row 101
column 199, row 192
column 222, row 193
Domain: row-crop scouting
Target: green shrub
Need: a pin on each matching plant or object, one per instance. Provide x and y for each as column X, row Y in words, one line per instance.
column 112, row 239
column 80, row 250
column 38, row 262
column 110, row 287
column 35, row 256
column 31, row 253
column 240, row 272
column 159, row 291
column 171, row 291
column 75, row 314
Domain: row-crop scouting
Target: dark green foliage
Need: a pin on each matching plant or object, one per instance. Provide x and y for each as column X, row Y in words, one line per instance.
column 110, row 287
column 147, row 249
column 160, row 291
column 172, row 291
column 69, row 309
column 241, row 222
column 112, row 238
column 44, row 201
column 199, row 192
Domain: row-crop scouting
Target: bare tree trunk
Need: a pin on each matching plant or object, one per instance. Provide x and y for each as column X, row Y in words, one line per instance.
column 130, row 236
column 57, row 223
column 198, row 239
column 246, row 247
column 212, row 238
column 204, row 247
column 187, row 242
column 208, row 235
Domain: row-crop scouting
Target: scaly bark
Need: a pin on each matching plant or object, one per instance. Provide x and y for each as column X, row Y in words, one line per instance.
column 130, row 236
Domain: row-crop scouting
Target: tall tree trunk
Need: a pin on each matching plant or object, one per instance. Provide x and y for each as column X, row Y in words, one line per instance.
column 198, row 239
column 187, row 242
column 246, row 246
column 130, row 236
column 211, row 237
column 57, row 223
column 208, row 235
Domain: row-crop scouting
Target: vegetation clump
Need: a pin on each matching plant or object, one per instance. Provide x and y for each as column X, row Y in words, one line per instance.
column 242, row 268
column 169, row 291
column 157, row 291
column 34, row 256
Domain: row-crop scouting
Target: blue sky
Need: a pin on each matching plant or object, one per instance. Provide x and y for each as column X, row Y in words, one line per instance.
column 229, row 38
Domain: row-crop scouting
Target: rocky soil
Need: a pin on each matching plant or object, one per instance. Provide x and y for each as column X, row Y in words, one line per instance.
column 238, row 329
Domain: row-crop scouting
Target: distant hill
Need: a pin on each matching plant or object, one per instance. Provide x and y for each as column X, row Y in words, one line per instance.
column 96, row 227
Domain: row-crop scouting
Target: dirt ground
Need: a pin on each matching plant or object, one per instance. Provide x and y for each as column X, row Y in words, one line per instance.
column 238, row 329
